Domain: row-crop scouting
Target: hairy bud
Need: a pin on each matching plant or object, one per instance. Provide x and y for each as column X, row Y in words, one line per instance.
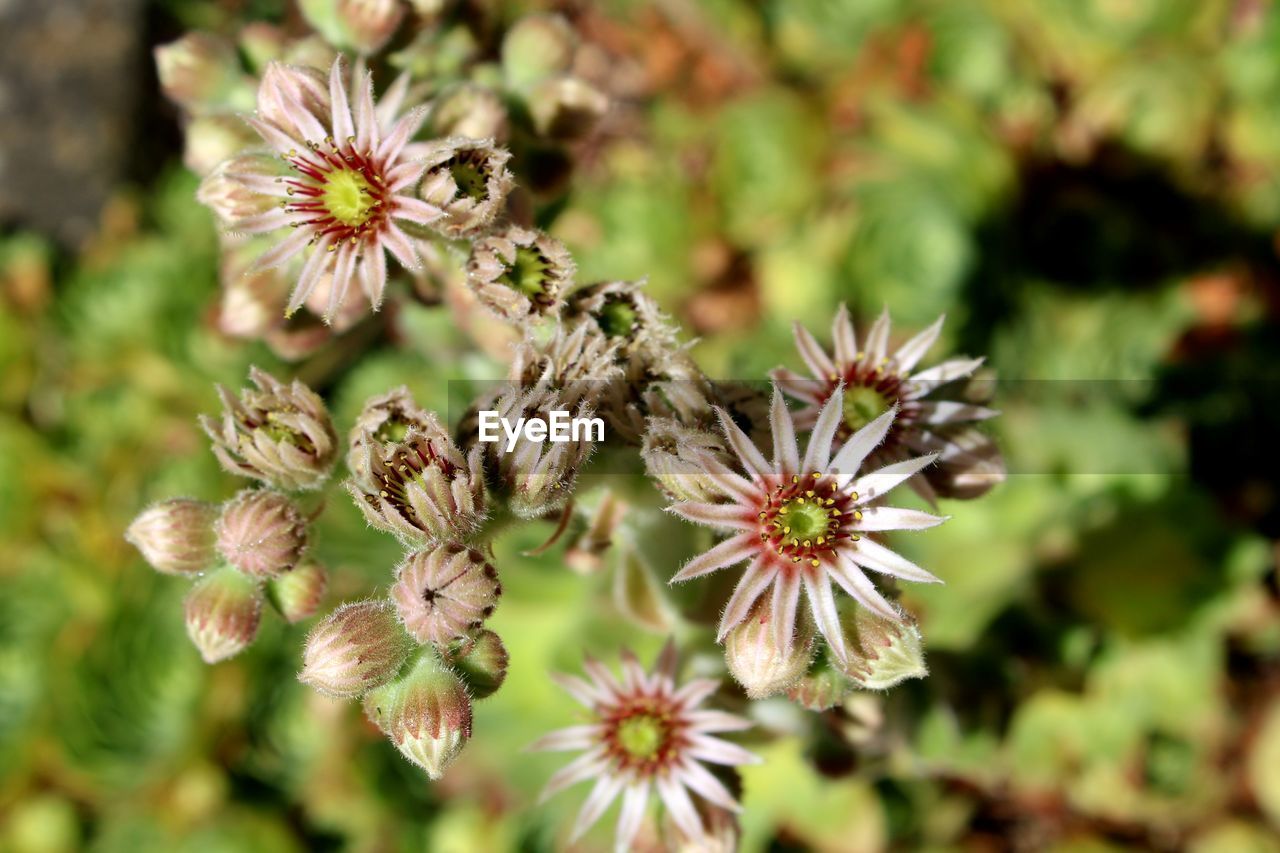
column 213, row 139
column 537, row 478
column 426, row 713
column 279, row 434
column 674, row 456
column 253, row 300
column 757, row 660
column 356, row 648
column 470, row 110
column 176, row 536
column 386, row 419
column 287, row 92
column 889, row 652
column 823, row 687
column 369, row 24
column 198, row 70
column 536, row 47
column 297, row 594
column 519, row 273
column 222, row 613
column 481, row 661
column 261, row 533
column 566, row 109
column 469, row 181
column 421, row 489
column 444, row 592
column 623, row 311
column 225, row 193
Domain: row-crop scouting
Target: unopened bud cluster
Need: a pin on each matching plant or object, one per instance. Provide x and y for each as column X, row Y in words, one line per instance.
column 251, row 550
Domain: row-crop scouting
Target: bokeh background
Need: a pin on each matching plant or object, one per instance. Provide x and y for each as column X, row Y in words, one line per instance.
column 1090, row 189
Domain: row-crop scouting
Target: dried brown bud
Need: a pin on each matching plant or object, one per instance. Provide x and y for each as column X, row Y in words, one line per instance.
column 444, row 592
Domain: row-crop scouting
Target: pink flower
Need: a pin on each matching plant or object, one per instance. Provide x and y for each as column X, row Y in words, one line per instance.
column 645, row 733
column 803, row 523
column 875, row 379
column 345, row 184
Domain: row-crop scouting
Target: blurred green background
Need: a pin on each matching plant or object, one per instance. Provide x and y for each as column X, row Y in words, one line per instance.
column 1090, row 189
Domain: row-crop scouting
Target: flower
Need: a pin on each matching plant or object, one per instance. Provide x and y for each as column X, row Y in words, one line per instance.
column 645, row 733
column 346, row 181
column 469, row 181
column 421, row 489
column 279, row 434
column 445, row 591
column 803, row 523
column 385, row 419
column 875, row 381
column 176, row 536
column 519, row 273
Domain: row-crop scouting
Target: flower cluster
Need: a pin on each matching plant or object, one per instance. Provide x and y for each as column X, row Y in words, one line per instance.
column 339, row 180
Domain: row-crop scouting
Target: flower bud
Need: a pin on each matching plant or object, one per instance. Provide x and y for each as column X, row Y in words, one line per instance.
column 296, row 594
column 970, row 466
column 469, row 181
column 481, row 661
column 671, row 454
column 230, row 200
column 566, row 109
column 252, row 302
column 369, row 24
column 470, row 110
column 286, row 89
column 536, row 47
column 426, row 713
column 444, row 592
column 421, row 489
column 822, row 688
column 222, row 611
column 537, row 477
column 176, row 536
column 260, row 42
column 356, row 648
column 386, row 419
column 213, row 139
column 889, row 652
column 279, row 434
column 261, row 533
column 519, row 273
column 197, row 71
column 585, row 555
column 758, row 662
column 622, row 310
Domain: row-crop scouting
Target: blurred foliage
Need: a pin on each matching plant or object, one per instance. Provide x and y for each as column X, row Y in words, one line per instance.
column 1090, row 191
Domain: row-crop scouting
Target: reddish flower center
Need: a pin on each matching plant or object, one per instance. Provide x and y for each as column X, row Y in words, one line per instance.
column 643, row 733
column 343, row 196
column 803, row 520
column 869, row 391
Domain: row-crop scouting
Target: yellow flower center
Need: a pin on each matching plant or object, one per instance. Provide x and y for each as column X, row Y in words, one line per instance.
column 347, row 197
column 862, row 405
column 642, row 737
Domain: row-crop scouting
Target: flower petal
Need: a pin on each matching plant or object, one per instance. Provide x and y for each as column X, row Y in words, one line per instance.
column 585, row 766
column 817, row 455
column 940, row 374
column 880, row 482
column 753, row 461
column 605, row 792
column 859, row 446
column 786, row 453
column 701, row 782
column 679, row 806
column 717, row 751
column 571, row 738
column 910, row 353
column 727, row 553
column 815, row 357
column 897, row 518
column 874, row 556
column 282, row 251
column 724, row 516
column 717, row 721
column 786, row 597
column 753, row 582
column 817, row 586
column 629, row 819
column 855, row 582
column 583, row 692
column 878, row 338
column 373, row 274
column 343, row 127
column 951, row 411
column 844, row 338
